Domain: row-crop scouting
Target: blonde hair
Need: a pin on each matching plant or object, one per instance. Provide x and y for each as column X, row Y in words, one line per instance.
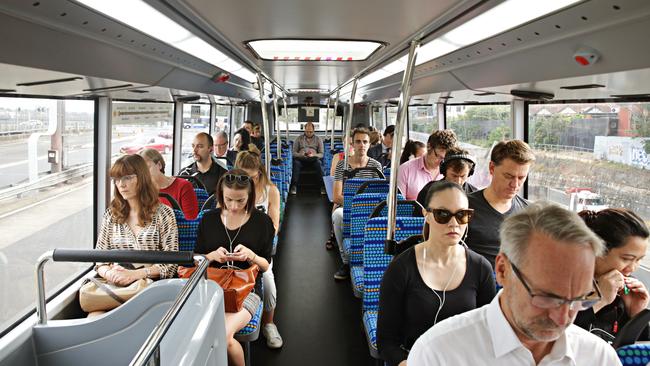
column 154, row 156
column 252, row 161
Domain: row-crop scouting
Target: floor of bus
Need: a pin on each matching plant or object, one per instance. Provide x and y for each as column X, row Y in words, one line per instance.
column 318, row 318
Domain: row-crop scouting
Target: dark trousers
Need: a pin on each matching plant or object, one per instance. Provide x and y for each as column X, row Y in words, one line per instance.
column 299, row 163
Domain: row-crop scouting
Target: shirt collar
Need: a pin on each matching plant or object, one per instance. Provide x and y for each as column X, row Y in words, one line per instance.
column 421, row 164
column 505, row 340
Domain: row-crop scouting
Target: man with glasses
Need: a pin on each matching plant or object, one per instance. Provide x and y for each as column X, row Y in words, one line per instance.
column 510, row 162
column 221, row 150
column 381, row 151
column 307, row 152
column 416, row 173
column 546, row 267
column 203, row 167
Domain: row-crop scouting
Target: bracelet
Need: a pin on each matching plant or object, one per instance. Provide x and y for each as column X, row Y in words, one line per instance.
column 147, row 274
column 253, row 260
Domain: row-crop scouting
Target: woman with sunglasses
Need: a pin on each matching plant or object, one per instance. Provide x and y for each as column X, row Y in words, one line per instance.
column 180, row 189
column 135, row 220
column 237, row 232
column 267, row 200
column 433, row 280
column 626, row 238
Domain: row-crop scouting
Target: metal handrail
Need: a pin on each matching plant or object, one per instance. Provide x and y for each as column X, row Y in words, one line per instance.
column 151, row 346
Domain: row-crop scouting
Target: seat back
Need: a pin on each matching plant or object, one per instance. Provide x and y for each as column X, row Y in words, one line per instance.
column 173, row 203
column 375, row 261
column 210, row 203
column 350, row 188
column 634, row 354
column 187, row 230
column 632, row 329
column 201, row 196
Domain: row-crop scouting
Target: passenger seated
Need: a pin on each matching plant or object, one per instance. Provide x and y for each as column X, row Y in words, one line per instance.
column 433, row 280
column 360, row 159
column 203, row 167
column 412, row 150
column 546, row 266
column 180, row 189
column 457, row 167
column 381, row 151
column 414, row 174
column 221, row 148
column 510, row 162
column 135, row 220
column 626, row 237
column 238, row 233
column 241, row 140
column 267, row 200
column 307, row 152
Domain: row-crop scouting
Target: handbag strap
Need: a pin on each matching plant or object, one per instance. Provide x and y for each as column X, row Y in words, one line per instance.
column 107, row 290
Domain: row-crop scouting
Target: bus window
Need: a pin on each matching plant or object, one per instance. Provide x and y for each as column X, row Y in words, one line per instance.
column 478, row 128
column 46, row 194
column 423, row 120
column 596, row 154
column 238, row 112
column 192, row 114
column 222, row 118
column 379, row 118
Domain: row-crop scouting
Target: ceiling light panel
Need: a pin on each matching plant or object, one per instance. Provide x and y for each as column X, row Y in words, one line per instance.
column 143, row 17
column 313, row 49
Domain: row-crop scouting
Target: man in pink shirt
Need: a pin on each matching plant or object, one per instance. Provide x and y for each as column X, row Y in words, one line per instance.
column 416, row 173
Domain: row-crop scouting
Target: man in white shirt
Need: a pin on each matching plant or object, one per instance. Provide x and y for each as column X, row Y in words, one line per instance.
column 546, row 267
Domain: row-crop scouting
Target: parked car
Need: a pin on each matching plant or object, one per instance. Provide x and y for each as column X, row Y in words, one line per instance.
column 164, row 146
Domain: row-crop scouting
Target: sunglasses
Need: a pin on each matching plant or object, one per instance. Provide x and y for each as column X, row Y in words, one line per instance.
column 241, row 179
column 443, row 216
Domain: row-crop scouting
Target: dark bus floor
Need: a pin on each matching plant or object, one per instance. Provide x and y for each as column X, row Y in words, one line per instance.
column 318, row 318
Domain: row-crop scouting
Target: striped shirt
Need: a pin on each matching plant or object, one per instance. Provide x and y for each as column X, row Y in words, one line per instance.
column 367, row 174
column 160, row 234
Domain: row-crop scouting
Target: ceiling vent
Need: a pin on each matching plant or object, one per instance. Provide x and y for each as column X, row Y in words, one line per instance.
column 109, row 88
column 7, row 90
column 532, row 94
column 188, row 98
column 54, row 81
column 483, row 94
column 631, row 96
column 585, row 86
column 138, row 91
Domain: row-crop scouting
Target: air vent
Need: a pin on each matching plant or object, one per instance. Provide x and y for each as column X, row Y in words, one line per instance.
column 483, row 94
column 532, row 94
column 471, row 102
column 585, row 86
column 631, row 96
column 446, row 97
column 147, row 100
column 7, row 90
column 109, row 88
column 138, row 91
column 54, row 81
column 188, row 98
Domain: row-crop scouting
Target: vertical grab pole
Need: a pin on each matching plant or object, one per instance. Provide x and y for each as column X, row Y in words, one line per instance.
column 336, row 105
column 402, row 111
column 348, row 124
column 286, row 115
column 327, row 118
column 265, row 124
column 276, row 121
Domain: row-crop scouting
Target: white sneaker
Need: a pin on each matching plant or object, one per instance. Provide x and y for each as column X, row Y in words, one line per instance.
column 293, row 190
column 273, row 338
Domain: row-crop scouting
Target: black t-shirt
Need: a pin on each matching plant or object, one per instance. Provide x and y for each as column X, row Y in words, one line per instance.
column 483, row 234
column 408, row 307
column 422, row 196
column 607, row 322
column 209, row 178
column 256, row 234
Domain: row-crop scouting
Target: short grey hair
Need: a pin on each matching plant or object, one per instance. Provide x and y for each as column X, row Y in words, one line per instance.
column 548, row 219
column 222, row 134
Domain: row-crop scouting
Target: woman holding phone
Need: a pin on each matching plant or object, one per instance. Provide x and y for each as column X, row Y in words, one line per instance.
column 237, row 232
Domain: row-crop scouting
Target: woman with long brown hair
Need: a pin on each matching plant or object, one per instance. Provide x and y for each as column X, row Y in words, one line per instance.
column 237, row 232
column 267, row 200
column 135, row 220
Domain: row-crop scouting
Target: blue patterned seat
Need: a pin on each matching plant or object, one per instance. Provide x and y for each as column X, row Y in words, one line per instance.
column 201, row 196
column 187, row 230
column 375, row 263
column 350, row 188
column 252, row 327
column 634, row 354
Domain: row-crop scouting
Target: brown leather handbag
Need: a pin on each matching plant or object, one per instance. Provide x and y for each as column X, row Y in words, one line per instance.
column 236, row 283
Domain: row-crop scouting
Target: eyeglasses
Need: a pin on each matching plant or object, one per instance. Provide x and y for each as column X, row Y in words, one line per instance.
column 439, row 156
column 241, row 179
column 443, row 216
column 124, row 179
column 554, row 302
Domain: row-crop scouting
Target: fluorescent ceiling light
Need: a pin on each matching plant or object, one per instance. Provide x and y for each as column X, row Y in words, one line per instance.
column 143, row 17
column 313, row 49
column 505, row 16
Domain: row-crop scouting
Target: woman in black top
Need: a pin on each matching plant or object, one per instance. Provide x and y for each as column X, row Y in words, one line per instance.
column 626, row 237
column 237, row 232
column 433, row 280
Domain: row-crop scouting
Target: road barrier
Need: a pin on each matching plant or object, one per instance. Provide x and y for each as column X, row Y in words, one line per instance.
column 47, row 181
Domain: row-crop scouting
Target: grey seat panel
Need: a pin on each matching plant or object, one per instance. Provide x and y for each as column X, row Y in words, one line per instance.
column 115, row 338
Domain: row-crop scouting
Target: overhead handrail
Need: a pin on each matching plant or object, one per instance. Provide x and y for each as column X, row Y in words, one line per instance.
column 92, row 256
column 265, row 124
column 151, row 347
column 402, row 111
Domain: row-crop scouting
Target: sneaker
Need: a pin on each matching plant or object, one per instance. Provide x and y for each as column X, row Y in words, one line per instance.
column 322, row 190
column 273, row 338
column 343, row 273
column 293, row 190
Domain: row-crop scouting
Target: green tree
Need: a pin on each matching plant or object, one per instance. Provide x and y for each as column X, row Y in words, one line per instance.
column 641, row 121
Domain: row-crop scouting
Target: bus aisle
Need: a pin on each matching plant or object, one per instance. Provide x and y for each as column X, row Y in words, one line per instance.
column 318, row 318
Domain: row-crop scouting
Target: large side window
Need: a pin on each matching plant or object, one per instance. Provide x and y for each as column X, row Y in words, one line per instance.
column 196, row 118
column 46, row 194
column 422, row 121
column 479, row 127
column 379, row 117
column 222, row 118
column 591, row 156
column 138, row 126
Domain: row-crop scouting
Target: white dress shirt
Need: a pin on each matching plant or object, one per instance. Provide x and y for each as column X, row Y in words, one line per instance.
column 483, row 336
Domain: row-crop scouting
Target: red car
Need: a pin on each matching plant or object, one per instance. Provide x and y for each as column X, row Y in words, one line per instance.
column 164, row 146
